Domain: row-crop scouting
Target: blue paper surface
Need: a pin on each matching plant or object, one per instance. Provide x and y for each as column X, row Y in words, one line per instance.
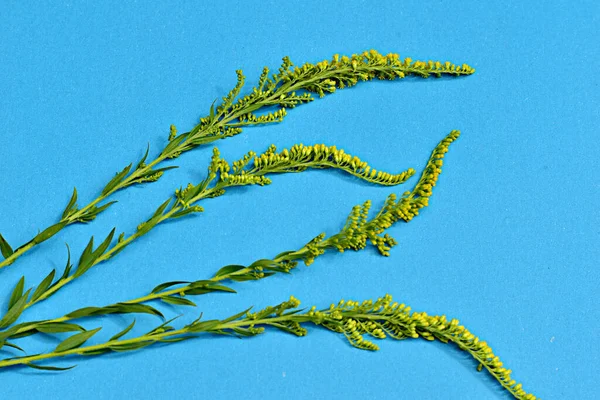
column 509, row 244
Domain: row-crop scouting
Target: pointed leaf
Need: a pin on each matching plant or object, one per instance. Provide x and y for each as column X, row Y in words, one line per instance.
column 48, row 233
column 14, row 346
column 185, row 212
column 87, row 255
column 59, row 327
column 49, row 368
column 125, row 308
column 236, row 316
column 5, row 248
column 17, row 292
column 123, row 332
column 83, row 312
column 71, row 204
column 228, row 269
column 160, row 210
column 75, row 341
column 130, row 346
column 143, row 160
column 43, row 286
column 97, row 210
column 178, row 301
column 15, row 311
column 165, row 285
column 114, row 182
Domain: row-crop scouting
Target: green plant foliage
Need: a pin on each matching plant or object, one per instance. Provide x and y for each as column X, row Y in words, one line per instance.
column 288, row 88
column 362, row 323
column 252, row 169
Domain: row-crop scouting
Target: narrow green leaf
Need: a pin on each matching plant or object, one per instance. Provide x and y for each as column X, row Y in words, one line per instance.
column 204, row 325
column 212, row 110
column 17, row 292
column 130, row 346
column 165, row 285
column 228, row 269
column 263, row 263
column 220, row 288
column 84, row 312
column 97, row 210
column 173, row 144
column 283, row 254
column 59, row 327
column 48, row 232
column 163, row 327
column 123, row 332
column 236, row 316
column 44, row 285
column 15, row 311
column 5, row 248
column 14, row 346
column 75, row 341
column 114, row 182
column 178, row 301
column 49, row 368
column 185, row 212
column 104, row 245
column 125, row 308
column 71, row 204
column 143, row 160
column 175, row 339
column 160, row 210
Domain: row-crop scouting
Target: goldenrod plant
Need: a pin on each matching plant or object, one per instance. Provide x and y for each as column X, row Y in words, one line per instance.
column 380, row 319
column 289, row 87
column 252, row 169
column 354, row 235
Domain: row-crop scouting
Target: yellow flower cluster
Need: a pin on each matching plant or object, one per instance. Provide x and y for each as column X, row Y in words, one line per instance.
column 300, row 157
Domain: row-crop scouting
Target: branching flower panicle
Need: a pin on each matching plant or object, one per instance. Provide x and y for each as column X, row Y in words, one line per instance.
column 288, row 88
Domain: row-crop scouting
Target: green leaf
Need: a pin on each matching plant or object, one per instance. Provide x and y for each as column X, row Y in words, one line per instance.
column 236, row 316
column 160, row 210
column 283, row 254
column 175, row 339
column 143, row 160
column 125, row 308
column 165, row 285
column 49, row 368
column 17, row 292
column 15, row 311
column 5, row 248
column 44, row 285
column 75, row 341
column 212, row 110
column 114, row 182
column 173, row 144
column 204, row 325
column 59, row 327
column 184, row 212
column 123, row 332
column 178, row 301
column 48, row 232
column 130, row 346
column 104, row 245
column 97, row 210
column 83, row 312
column 89, row 257
column 14, row 346
column 71, row 204
column 228, row 269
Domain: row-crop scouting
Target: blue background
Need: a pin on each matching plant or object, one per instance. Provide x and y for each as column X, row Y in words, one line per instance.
column 508, row 244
